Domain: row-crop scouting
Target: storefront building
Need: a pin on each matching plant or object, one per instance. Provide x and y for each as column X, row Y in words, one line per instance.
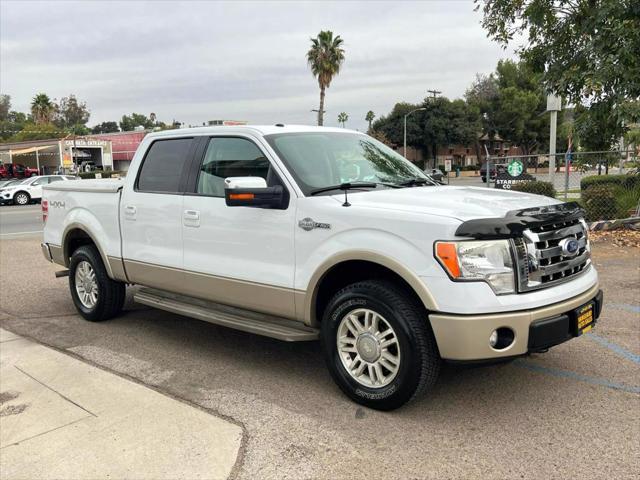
column 59, row 154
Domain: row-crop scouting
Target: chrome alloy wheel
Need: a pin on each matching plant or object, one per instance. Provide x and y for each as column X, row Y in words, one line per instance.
column 368, row 348
column 86, row 284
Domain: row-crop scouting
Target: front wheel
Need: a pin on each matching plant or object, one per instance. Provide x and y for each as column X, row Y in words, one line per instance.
column 94, row 294
column 22, row 198
column 378, row 345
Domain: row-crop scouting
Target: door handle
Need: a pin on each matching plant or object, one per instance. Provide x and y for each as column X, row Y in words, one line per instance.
column 191, row 215
column 130, row 212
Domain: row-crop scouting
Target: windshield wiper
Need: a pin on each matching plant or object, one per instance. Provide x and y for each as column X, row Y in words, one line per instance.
column 414, row 182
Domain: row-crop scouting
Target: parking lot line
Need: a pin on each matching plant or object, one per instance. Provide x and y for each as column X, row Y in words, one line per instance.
column 615, row 348
column 19, row 233
column 576, row 376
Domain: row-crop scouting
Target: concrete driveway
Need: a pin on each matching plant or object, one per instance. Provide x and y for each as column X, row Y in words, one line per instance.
column 572, row 412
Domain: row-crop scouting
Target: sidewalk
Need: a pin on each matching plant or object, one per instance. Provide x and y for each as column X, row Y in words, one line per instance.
column 63, row 418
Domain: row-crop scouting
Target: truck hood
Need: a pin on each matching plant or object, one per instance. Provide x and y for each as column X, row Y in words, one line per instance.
column 463, row 203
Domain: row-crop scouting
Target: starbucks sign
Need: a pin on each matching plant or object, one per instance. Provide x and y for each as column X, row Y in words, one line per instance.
column 515, row 168
column 513, row 175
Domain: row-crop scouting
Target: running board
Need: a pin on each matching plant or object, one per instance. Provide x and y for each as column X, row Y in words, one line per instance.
column 232, row 317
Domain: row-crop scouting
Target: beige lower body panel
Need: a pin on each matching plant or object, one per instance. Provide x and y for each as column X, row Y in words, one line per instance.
column 466, row 337
column 257, row 297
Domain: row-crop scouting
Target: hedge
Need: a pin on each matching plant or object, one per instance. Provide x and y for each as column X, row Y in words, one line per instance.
column 105, row 174
column 607, row 197
column 629, row 182
column 537, row 187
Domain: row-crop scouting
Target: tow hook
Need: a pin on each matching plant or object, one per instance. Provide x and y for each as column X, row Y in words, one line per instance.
column 62, row 273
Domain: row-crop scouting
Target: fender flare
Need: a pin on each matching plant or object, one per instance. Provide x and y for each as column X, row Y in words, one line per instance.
column 412, row 279
column 65, row 245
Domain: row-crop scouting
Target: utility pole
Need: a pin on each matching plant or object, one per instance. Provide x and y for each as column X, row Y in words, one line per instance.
column 434, row 93
column 554, row 105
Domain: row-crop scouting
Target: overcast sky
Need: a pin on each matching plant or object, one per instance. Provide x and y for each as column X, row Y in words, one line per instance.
column 202, row 60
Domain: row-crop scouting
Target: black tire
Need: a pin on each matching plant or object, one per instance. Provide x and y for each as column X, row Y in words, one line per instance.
column 22, row 198
column 420, row 359
column 111, row 293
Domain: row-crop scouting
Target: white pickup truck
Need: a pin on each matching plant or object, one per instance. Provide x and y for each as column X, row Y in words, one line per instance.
column 305, row 233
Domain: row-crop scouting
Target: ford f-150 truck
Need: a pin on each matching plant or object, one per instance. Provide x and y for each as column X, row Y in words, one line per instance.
column 305, row 233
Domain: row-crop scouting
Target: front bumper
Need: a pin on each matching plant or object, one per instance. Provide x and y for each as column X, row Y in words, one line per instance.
column 466, row 337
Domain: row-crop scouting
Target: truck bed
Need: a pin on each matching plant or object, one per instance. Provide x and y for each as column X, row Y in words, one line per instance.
column 92, row 204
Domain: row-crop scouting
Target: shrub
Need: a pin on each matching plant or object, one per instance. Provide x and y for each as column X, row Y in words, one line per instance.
column 599, row 201
column 537, row 187
column 470, row 168
column 628, row 182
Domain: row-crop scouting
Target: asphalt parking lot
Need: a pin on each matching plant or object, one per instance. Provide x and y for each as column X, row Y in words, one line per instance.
column 572, row 412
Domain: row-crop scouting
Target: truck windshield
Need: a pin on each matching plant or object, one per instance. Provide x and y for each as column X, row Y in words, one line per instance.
column 319, row 160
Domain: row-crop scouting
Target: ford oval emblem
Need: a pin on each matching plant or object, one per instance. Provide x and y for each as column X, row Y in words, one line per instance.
column 569, row 246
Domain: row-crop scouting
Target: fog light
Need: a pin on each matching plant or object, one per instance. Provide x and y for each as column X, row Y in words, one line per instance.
column 502, row 338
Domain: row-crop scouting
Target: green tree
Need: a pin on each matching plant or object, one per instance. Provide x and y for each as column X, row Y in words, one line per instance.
column 37, row 131
column 14, row 123
column 325, row 57
column 130, row 122
column 5, row 107
column 512, row 103
column 70, row 113
column 392, row 126
column 42, row 109
column 443, row 122
column 106, row 127
column 585, row 49
column 343, row 118
column 369, row 118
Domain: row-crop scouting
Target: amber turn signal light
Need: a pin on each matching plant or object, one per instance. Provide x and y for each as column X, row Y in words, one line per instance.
column 241, row 196
column 447, row 254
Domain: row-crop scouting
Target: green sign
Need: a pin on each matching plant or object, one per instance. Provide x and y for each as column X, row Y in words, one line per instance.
column 515, row 168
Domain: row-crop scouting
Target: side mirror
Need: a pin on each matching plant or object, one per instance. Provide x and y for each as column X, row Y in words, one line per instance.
column 252, row 192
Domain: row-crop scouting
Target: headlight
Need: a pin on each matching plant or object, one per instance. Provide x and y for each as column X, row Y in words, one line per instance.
column 483, row 260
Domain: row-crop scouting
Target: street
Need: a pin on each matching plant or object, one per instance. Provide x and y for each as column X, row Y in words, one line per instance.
column 571, row 412
column 16, row 220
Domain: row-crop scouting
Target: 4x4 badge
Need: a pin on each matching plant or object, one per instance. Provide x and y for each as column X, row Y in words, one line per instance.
column 308, row 224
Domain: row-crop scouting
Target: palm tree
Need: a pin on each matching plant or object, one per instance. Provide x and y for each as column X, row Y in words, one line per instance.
column 343, row 118
column 369, row 118
column 325, row 57
column 42, row 108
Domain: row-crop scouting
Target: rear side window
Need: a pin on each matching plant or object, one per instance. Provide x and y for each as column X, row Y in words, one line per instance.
column 163, row 165
column 54, row 179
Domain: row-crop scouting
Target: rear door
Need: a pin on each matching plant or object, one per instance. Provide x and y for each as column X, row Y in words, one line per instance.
column 238, row 256
column 151, row 215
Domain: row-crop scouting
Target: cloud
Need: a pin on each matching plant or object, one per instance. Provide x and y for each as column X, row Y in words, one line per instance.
column 196, row 61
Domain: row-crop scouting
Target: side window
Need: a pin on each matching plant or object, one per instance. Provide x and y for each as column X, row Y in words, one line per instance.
column 163, row 165
column 41, row 181
column 232, row 157
column 55, row 179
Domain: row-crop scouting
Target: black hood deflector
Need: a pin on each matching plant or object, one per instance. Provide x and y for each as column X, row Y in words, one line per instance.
column 516, row 221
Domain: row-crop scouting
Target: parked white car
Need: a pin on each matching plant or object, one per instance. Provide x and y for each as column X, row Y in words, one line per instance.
column 303, row 233
column 22, row 192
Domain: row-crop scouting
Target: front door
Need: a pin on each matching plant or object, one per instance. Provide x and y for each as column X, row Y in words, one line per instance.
column 239, row 256
column 151, row 216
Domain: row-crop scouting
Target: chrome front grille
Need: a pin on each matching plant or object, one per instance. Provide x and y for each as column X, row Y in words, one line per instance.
column 543, row 254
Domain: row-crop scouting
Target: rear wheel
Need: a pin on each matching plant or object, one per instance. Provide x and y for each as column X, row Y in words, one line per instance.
column 378, row 345
column 22, row 198
column 94, row 294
